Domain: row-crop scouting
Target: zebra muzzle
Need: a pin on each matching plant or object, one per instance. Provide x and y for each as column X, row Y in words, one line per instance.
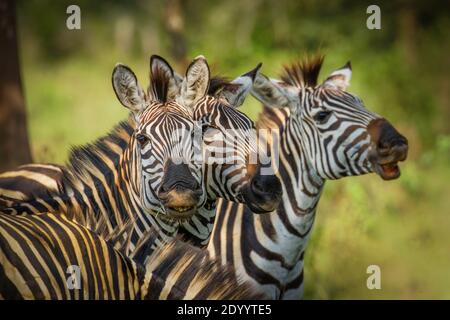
column 180, row 203
column 388, row 148
column 263, row 193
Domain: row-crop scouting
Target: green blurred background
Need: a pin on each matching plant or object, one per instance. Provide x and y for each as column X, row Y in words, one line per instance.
column 401, row 72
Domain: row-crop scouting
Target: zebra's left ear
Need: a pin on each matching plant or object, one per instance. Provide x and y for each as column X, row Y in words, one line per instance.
column 340, row 78
column 195, row 84
column 274, row 93
column 237, row 90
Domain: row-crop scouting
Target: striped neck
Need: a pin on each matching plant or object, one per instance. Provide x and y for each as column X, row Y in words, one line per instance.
column 100, row 189
column 287, row 232
column 302, row 185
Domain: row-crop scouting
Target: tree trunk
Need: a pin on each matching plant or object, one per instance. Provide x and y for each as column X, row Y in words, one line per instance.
column 407, row 32
column 174, row 24
column 14, row 145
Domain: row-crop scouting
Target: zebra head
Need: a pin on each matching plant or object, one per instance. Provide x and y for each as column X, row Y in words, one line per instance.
column 339, row 136
column 229, row 142
column 165, row 175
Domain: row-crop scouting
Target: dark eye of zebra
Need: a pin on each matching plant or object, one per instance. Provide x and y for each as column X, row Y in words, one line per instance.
column 142, row 139
column 205, row 127
column 322, row 116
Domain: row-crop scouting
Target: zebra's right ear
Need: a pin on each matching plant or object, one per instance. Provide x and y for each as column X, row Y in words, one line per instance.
column 127, row 88
column 196, row 82
column 274, row 93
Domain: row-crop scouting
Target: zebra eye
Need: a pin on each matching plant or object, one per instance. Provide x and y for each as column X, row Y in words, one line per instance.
column 142, row 139
column 205, row 128
column 322, row 116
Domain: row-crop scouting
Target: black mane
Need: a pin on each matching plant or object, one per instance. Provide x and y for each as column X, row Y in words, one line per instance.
column 92, row 155
column 303, row 73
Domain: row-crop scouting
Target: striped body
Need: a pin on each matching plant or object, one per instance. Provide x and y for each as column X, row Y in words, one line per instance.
column 38, row 254
column 30, row 180
column 269, row 249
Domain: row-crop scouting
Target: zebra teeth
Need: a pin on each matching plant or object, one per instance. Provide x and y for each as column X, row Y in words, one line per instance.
column 181, row 213
column 388, row 171
column 181, row 209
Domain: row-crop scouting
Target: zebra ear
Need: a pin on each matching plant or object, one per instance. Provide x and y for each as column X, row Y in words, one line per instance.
column 159, row 64
column 340, row 78
column 274, row 93
column 127, row 88
column 178, row 80
column 237, row 90
column 195, row 84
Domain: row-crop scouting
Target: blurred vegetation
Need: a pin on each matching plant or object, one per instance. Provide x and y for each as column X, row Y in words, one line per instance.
column 401, row 72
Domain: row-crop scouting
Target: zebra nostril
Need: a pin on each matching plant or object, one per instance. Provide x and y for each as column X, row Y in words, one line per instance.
column 196, row 186
column 199, row 191
column 257, row 186
column 400, row 142
column 266, row 185
column 387, row 145
column 164, row 188
column 383, row 145
column 163, row 195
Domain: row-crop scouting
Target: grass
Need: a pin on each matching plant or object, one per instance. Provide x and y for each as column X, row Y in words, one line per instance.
column 401, row 226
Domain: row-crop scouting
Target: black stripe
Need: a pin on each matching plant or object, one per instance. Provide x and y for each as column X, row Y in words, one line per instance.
column 8, row 290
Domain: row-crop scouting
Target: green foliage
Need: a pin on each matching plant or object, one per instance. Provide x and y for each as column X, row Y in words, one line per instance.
column 401, row 72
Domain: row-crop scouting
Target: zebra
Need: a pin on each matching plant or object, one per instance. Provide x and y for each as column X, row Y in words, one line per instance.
column 102, row 179
column 323, row 133
column 51, row 257
column 30, row 180
column 278, row 267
